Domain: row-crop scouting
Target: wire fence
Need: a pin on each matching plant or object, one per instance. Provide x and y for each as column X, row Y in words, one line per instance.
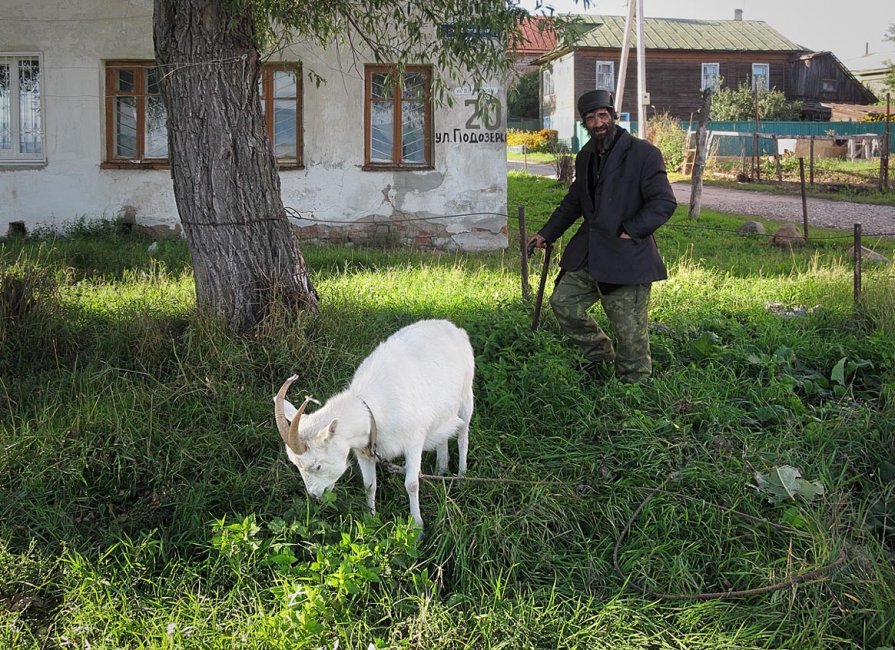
column 516, row 219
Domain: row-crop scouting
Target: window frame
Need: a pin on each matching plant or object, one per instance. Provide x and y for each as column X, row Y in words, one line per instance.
column 597, row 74
column 766, row 76
column 140, row 87
column 395, row 163
column 715, row 77
column 111, row 160
column 14, row 155
column 267, row 98
column 547, row 82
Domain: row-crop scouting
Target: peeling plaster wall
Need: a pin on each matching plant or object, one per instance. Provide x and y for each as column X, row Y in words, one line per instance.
column 73, row 40
column 333, row 198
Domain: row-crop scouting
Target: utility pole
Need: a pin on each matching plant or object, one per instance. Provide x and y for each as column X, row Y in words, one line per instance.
column 642, row 99
column 623, row 62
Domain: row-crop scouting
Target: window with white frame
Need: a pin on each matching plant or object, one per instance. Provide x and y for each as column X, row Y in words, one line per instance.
column 761, row 74
column 605, row 76
column 21, row 116
column 711, row 76
column 547, row 81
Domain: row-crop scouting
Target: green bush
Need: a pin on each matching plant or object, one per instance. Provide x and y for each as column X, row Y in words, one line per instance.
column 665, row 132
column 537, row 141
column 739, row 104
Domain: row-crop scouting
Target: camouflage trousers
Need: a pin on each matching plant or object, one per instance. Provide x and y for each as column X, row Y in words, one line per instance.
column 626, row 307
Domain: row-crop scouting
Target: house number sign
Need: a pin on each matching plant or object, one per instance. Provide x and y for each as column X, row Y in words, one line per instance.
column 483, row 124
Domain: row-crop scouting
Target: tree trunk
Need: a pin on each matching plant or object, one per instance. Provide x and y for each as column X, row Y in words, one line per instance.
column 226, row 184
column 699, row 159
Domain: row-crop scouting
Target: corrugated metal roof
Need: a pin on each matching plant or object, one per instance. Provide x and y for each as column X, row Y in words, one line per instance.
column 537, row 36
column 871, row 61
column 684, row 34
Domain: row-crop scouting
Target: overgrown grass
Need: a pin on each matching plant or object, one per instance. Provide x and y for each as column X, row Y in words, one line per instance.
column 146, row 501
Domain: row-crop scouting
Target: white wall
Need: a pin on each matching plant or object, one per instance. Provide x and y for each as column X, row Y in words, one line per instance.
column 74, row 40
column 564, row 78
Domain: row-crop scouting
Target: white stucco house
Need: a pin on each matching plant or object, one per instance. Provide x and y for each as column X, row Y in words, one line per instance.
column 83, row 135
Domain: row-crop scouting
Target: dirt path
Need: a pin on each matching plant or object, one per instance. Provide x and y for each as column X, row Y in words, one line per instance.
column 874, row 219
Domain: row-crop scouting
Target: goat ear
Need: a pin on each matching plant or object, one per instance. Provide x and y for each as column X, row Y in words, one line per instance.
column 327, row 433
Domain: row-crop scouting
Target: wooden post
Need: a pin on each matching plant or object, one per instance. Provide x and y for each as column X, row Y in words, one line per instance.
column 777, row 159
column 756, row 160
column 804, row 200
column 523, row 253
column 699, row 163
column 858, row 250
column 756, row 141
column 811, row 160
column 884, row 151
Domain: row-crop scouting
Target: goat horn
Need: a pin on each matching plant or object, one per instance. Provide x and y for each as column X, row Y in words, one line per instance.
column 282, row 424
column 293, row 441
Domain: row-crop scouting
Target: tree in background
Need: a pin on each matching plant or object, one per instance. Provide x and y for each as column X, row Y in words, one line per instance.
column 226, row 183
column 522, row 99
column 739, row 105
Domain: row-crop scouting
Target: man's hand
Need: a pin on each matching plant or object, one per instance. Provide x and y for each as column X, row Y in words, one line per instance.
column 536, row 241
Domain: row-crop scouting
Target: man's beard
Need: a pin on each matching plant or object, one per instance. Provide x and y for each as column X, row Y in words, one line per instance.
column 603, row 140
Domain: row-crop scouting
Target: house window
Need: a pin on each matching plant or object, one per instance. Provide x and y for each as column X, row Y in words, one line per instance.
column 548, row 83
column 605, row 76
column 761, row 76
column 136, row 118
column 828, row 88
column 397, row 117
column 711, row 76
column 21, row 123
column 281, row 89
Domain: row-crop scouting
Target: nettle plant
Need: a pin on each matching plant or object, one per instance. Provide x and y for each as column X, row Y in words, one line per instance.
column 326, row 573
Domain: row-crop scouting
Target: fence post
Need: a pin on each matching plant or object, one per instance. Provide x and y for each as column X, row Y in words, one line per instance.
column 858, row 251
column 811, row 160
column 804, row 200
column 523, row 253
column 777, row 159
column 699, row 160
column 884, row 152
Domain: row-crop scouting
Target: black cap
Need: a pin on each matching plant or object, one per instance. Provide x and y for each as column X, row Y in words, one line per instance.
column 595, row 99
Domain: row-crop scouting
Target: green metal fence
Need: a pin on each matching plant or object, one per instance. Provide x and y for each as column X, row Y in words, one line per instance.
column 733, row 147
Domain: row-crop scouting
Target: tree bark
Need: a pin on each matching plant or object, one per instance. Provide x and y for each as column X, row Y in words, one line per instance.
column 226, row 184
column 699, row 159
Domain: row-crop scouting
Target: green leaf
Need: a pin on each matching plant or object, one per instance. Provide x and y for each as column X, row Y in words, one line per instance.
column 785, row 483
column 792, row 517
column 787, row 478
column 707, row 345
column 838, row 374
column 809, row 490
column 887, row 472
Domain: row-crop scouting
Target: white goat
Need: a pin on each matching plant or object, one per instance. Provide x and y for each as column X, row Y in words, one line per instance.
column 412, row 394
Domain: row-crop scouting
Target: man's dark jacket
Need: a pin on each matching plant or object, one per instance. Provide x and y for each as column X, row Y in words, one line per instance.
column 632, row 195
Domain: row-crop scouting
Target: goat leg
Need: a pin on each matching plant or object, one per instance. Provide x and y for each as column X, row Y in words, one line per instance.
column 368, row 471
column 413, row 460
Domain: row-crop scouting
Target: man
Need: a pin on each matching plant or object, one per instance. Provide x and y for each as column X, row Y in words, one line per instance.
column 621, row 190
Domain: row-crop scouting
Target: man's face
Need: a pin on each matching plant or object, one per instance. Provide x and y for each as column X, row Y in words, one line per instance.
column 601, row 126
